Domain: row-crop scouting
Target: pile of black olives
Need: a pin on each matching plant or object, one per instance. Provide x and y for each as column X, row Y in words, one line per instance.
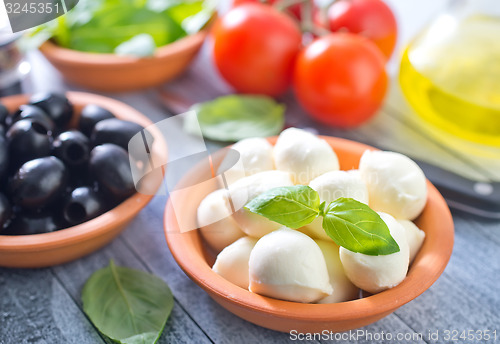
column 54, row 177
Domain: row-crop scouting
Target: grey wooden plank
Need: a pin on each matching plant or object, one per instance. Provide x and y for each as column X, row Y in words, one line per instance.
column 180, row 328
column 475, row 262
column 447, row 306
column 466, row 296
column 388, row 329
column 35, row 308
column 489, row 228
column 148, row 241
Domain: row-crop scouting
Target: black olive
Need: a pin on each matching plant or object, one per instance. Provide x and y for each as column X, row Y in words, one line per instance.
column 90, row 115
column 110, row 166
column 72, row 147
column 4, row 113
column 27, row 140
column 5, row 211
column 25, row 223
column 78, row 177
column 82, row 205
column 57, row 106
column 34, row 113
column 116, row 131
column 38, row 182
column 4, row 157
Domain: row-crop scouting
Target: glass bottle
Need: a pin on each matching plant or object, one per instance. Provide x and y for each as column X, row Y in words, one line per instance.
column 450, row 72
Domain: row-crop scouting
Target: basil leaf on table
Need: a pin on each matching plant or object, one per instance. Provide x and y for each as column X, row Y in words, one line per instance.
column 356, row 227
column 126, row 305
column 291, row 206
column 236, row 117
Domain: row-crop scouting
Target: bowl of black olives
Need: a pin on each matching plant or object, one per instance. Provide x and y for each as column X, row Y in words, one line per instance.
column 66, row 174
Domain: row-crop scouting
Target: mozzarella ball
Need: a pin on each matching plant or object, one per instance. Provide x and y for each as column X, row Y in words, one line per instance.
column 336, row 184
column 246, row 189
column 333, row 185
column 343, row 289
column 256, row 155
column 232, row 262
column 377, row 273
column 288, row 265
column 414, row 236
column 396, row 185
column 304, row 155
column 217, row 226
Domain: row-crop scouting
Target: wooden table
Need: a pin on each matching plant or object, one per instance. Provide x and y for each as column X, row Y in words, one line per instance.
column 44, row 305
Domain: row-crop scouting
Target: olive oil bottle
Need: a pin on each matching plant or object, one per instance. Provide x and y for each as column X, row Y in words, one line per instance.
column 450, row 74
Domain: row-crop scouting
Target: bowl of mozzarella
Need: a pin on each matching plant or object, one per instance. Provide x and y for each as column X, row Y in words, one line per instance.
column 301, row 279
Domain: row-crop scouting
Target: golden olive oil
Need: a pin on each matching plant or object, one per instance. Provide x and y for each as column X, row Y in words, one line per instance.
column 450, row 74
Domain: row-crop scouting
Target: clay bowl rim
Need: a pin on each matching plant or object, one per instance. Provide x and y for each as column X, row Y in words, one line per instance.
column 102, row 224
column 70, row 56
column 424, row 271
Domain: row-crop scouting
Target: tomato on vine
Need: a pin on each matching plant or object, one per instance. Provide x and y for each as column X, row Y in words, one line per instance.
column 255, row 47
column 340, row 79
column 370, row 18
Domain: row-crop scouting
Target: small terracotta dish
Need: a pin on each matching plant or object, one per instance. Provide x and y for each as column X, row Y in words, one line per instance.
column 192, row 255
column 41, row 250
column 113, row 73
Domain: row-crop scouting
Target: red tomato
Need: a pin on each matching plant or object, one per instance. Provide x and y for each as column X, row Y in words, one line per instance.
column 340, row 79
column 371, row 18
column 255, row 47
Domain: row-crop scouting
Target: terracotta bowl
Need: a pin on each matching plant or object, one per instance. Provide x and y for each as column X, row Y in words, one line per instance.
column 195, row 259
column 112, row 73
column 41, row 250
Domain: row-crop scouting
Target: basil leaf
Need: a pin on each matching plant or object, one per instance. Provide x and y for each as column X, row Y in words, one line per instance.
column 292, row 206
column 127, row 306
column 356, row 227
column 236, row 117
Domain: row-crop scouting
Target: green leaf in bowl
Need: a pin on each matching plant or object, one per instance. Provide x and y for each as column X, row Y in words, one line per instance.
column 100, row 26
column 141, row 45
column 191, row 15
column 114, row 24
column 356, row 227
column 351, row 224
column 184, row 9
column 126, row 305
column 291, row 206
